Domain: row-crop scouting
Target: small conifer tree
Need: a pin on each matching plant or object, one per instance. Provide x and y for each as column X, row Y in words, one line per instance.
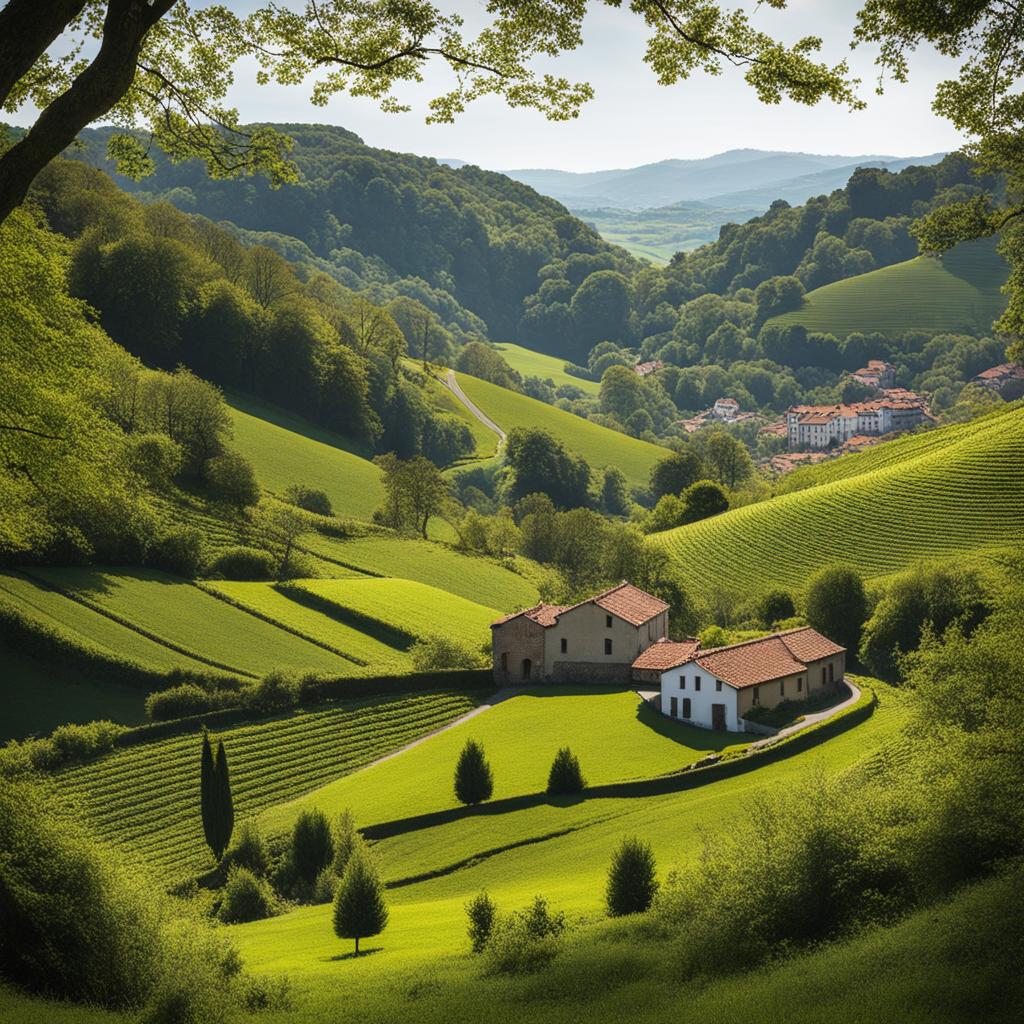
column 473, row 781
column 312, row 845
column 225, row 802
column 359, row 906
column 346, row 840
column 481, row 912
column 631, row 878
column 208, row 795
column 565, row 776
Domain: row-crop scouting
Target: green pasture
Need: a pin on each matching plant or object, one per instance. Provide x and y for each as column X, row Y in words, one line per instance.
column 145, row 798
column 958, row 293
column 598, row 445
column 409, row 606
column 183, row 615
column 286, row 449
column 943, row 501
column 480, row 580
column 537, row 364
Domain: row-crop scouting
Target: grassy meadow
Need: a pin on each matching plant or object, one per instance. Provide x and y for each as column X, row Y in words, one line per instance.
column 537, row 364
column 942, row 500
column 958, row 293
column 598, row 445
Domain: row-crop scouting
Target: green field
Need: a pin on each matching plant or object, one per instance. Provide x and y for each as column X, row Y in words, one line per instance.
column 477, row 579
column 182, row 615
column 409, row 606
column 485, row 439
column 958, row 293
column 537, row 364
column 940, row 500
column 598, row 445
column 145, row 797
column 286, row 449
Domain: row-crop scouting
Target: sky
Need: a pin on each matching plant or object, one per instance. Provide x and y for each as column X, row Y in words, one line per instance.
column 632, row 120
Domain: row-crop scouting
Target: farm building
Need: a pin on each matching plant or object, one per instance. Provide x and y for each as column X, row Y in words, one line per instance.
column 596, row 640
column 716, row 687
column 825, row 426
column 1007, row 380
column 877, row 374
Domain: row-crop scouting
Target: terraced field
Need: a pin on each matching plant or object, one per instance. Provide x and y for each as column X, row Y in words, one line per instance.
column 145, row 798
column 537, row 364
column 285, row 449
column 408, row 606
column 476, row 579
column 598, row 445
column 959, row 292
column 366, row 652
column 182, row 616
column 939, row 501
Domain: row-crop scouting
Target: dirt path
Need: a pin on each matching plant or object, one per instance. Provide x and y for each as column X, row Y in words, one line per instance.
column 450, row 381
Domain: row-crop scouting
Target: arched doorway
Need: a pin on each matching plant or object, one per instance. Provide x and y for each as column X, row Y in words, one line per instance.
column 527, row 666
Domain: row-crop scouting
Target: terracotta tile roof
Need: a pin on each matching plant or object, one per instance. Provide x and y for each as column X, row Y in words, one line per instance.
column 543, row 614
column 768, row 658
column 664, row 654
column 631, row 603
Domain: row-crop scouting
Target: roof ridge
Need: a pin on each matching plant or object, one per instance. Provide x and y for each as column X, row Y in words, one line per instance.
column 757, row 640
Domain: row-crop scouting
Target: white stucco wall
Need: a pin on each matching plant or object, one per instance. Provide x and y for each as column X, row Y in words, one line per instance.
column 681, row 683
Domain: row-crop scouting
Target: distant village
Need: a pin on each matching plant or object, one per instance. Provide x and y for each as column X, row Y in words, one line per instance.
column 814, row 433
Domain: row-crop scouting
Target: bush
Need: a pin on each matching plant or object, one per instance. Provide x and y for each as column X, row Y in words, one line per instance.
column 182, row 701
column 246, row 898
column 312, row 846
column 179, row 550
column 310, row 499
column 443, row 654
column 231, row 479
column 244, row 563
column 481, row 912
column 276, row 691
column 631, row 878
column 525, row 941
column 565, row 776
column 774, row 606
column 248, row 851
column 67, row 744
column 76, row 924
column 837, row 605
column 473, row 781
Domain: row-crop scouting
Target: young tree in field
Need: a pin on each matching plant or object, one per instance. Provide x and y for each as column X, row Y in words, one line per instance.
column 312, row 845
column 473, row 781
column 347, row 841
column 837, row 605
column 728, row 459
column 703, row 499
column 225, row 801
column 481, row 912
column 281, row 527
column 565, row 776
column 631, row 878
column 360, row 910
column 414, row 490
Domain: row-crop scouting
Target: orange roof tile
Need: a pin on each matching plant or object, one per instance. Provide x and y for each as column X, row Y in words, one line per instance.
column 543, row 614
column 770, row 657
column 631, row 603
column 664, row 654
column 808, row 644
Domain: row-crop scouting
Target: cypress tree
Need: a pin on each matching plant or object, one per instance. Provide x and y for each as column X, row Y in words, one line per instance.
column 225, row 802
column 359, row 907
column 473, row 782
column 565, row 776
column 208, row 796
column 631, row 881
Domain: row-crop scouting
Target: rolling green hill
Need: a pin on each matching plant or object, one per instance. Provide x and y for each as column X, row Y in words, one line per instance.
column 957, row 293
column 537, row 364
column 598, row 445
column 937, row 501
column 285, row 449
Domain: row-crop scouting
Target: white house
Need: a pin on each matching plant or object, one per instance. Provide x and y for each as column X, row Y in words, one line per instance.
column 716, row 687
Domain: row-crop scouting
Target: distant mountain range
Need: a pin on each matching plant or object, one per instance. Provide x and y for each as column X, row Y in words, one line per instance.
column 739, row 178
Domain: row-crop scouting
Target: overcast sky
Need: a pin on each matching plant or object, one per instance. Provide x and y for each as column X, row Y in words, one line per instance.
column 632, row 120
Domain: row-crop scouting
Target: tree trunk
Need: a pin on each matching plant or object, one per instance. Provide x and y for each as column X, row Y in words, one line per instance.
column 357, row 945
column 88, row 98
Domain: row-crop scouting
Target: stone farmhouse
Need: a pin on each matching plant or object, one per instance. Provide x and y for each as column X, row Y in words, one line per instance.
column 714, row 688
column 1006, row 380
column 596, row 640
column 826, row 426
column 877, row 374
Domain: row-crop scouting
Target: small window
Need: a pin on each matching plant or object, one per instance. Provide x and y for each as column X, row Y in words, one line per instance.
column 831, row 672
column 675, row 707
column 608, row 646
column 696, row 683
column 682, row 682
column 686, row 707
column 800, row 684
column 782, row 687
column 823, row 675
column 608, row 621
column 565, row 645
column 755, row 697
column 504, row 661
column 718, row 686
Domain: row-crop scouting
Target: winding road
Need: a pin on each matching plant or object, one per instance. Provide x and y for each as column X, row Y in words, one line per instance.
column 450, row 381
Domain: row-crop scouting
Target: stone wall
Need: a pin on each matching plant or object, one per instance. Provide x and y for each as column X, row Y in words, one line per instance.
column 590, row 672
column 514, row 643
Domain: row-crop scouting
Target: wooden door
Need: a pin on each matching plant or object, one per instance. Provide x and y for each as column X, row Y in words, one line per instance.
column 718, row 717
